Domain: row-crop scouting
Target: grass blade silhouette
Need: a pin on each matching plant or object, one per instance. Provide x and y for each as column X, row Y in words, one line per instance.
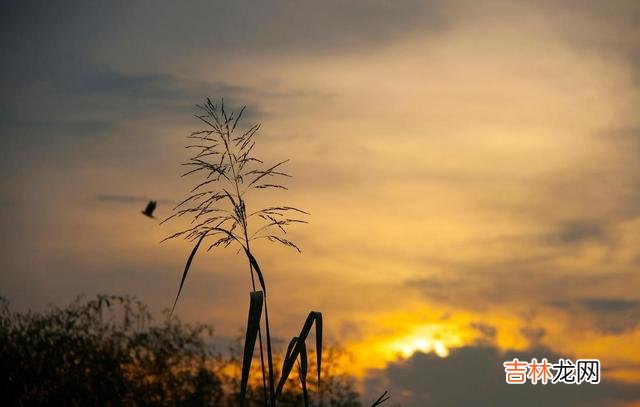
column 302, row 373
column 253, row 325
column 256, row 268
column 186, row 270
column 319, row 345
column 297, row 346
column 381, row 399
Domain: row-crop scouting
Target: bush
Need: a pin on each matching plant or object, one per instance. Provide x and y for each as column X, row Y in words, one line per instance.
column 108, row 351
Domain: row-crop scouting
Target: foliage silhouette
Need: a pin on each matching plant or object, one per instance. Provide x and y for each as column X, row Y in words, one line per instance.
column 109, row 351
column 217, row 206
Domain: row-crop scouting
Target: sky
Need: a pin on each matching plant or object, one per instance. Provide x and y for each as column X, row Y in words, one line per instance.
column 471, row 170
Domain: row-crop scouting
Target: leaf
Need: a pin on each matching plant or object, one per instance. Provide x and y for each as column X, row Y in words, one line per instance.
column 273, row 238
column 381, row 399
column 275, row 186
column 186, row 269
column 302, row 373
column 297, row 346
column 253, row 325
column 268, row 172
column 256, row 267
column 235, row 123
column 319, row 344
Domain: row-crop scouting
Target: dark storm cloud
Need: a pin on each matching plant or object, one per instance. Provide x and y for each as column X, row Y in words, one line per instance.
column 474, row 376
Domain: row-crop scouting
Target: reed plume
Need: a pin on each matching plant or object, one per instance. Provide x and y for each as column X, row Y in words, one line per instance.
column 229, row 173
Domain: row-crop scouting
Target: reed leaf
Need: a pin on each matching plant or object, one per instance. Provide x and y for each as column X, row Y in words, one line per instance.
column 381, row 399
column 253, row 326
column 186, row 269
column 256, row 268
column 297, row 346
column 302, row 373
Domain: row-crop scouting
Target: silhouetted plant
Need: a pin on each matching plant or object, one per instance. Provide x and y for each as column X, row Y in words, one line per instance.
column 381, row 399
column 109, row 351
column 217, row 207
column 104, row 352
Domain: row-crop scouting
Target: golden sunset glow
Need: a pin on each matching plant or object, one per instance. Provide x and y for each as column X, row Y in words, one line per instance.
column 471, row 171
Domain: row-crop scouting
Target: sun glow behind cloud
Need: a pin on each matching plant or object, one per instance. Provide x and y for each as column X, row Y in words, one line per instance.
column 420, row 343
column 471, row 170
column 399, row 335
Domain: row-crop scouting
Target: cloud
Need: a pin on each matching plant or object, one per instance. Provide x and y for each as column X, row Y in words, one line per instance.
column 474, row 375
column 577, row 232
column 467, row 154
column 478, row 286
column 487, row 332
column 69, row 99
column 617, row 35
column 223, row 28
column 117, row 198
column 613, row 316
column 609, row 305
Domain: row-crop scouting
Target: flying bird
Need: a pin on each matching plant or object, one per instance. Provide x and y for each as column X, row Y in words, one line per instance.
column 148, row 211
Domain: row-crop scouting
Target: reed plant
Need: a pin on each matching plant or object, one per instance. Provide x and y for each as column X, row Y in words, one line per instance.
column 223, row 157
column 229, row 173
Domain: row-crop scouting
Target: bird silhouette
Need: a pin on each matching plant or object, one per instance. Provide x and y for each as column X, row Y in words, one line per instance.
column 148, row 211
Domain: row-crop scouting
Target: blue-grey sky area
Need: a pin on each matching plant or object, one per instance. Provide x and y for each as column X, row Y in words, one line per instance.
column 471, row 168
